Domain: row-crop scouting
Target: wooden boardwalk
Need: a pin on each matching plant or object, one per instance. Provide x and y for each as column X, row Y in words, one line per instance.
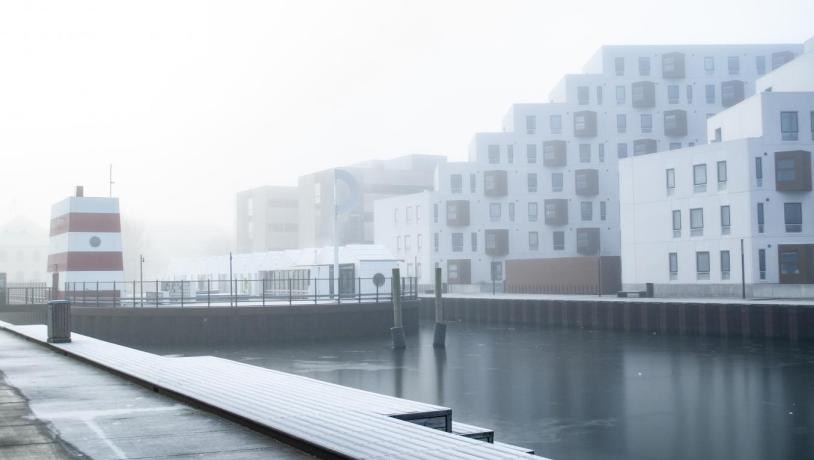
column 323, row 418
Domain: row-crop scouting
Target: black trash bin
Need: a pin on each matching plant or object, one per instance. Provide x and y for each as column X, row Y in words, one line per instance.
column 59, row 321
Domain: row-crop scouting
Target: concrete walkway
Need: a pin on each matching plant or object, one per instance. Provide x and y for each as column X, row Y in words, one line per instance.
column 55, row 407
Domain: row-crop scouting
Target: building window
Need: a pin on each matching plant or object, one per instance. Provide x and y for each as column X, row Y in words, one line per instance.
column 734, row 65
column 760, row 64
column 702, row 265
column 456, row 183
column 435, row 213
column 675, row 145
column 696, row 221
column 672, row 94
column 619, row 66
column 725, row 265
column 408, row 212
column 556, row 182
column 671, row 180
column 647, row 123
column 673, row 258
column 531, row 124
column 689, row 94
column 722, row 175
column 761, row 218
column 602, row 210
column 534, row 241
column 472, row 183
column 699, row 177
column 406, row 242
column 725, row 220
column 435, row 242
column 621, row 123
column 601, row 152
column 398, row 243
column 718, row 135
column 761, row 262
column 644, row 66
column 793, row 213
column 676, row 223
column 709, row 64
column 620, row 94
column 583, row 95
column 497, row 271
column 494, row 154
column 511, row 212
column 494, row 212
column 510, row 153
column 532, row 211
column 418, row 213
column 789, row 263
column 531, row 153
column 396, row 216
column 555, row 123
column 586, row 210
column 531, row 180
column 584, row 153
column 457, row 242
column 558, row 238
column 621, row 150
column 473, row 239
column 710, row 93
column 418, row 241
column 788, row 126
column 759, row 171
column 599, row 95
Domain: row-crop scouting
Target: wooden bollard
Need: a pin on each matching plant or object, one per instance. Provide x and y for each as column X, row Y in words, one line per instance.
column 397, row 331
column 439, row 340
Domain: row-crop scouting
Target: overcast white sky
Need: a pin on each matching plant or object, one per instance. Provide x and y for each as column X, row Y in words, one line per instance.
column 192, row 101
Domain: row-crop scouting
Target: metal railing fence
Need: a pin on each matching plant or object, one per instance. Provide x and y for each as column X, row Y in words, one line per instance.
column 27, row 293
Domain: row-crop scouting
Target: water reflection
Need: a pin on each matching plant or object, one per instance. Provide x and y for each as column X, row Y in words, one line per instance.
column 580, row 394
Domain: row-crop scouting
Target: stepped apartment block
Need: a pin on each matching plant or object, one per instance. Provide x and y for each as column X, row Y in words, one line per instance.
column 686, row 212
column 536, row 207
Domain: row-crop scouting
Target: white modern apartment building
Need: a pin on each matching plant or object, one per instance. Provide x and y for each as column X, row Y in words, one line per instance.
column 685, row 213
column 546, row 187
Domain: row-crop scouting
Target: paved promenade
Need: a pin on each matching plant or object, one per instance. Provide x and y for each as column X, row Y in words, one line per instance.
column 55, row 407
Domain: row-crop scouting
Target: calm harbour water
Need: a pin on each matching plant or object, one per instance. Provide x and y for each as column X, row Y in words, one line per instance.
column 572, row 394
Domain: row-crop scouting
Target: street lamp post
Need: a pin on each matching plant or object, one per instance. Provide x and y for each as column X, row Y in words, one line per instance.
column 141, row 279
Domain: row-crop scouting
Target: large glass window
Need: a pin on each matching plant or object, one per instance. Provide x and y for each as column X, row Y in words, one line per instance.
column 457, row 242
column 531, row 124
column 621, row 122
column 533, row 212
column 709, row 64
column 672, row 94
column 456, row 183
column 531, row 153
column 671, row 179
column 644, row 66
column 697, row 220
column 620, row 94
column 788, row 126
column 532, row 182
column 586, row 210
column 726, row 221
column 702, row 262
column 585, row 153
column 583, row 95
column 699, row 176
column 793, row 213
column 558, row 239
column 789, row 263
column 494, row 211
column 555, row 123
column 494, row 154
column 647, row 123
column 619, row 66
column 709, row 92
column 734, row 65
column 556, row 182
column 534, row 241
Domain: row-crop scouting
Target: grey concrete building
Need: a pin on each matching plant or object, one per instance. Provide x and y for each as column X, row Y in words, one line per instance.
column 267, row 219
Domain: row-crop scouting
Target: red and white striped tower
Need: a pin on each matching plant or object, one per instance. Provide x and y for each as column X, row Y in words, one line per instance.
column 86, row 242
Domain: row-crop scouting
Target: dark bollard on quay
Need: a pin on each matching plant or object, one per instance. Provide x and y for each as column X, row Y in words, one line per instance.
column 440, row 336
column 397, row 331
column 59, row 321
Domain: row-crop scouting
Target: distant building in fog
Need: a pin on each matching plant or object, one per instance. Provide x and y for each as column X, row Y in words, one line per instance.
column 684, row 213
column 267, row 219
column 276, row 218
column 23, row 251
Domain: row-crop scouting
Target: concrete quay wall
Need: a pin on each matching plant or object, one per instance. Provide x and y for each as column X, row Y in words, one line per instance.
column 225, row 325
column 784, row 321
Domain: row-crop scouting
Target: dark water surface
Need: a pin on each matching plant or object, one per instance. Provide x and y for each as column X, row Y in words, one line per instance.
column 572, row 394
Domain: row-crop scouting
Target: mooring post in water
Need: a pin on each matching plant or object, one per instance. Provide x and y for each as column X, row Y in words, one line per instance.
column 397, row 331
column 439, row 341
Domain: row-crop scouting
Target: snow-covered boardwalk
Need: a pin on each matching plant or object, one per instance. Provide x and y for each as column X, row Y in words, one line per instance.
column 326, row 419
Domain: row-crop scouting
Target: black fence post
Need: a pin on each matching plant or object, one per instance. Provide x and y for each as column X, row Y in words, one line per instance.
column 316, row 288
column 208, row 292
column 156, row 293
column 359, row 288
column 289, row 291
column 182, row 293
